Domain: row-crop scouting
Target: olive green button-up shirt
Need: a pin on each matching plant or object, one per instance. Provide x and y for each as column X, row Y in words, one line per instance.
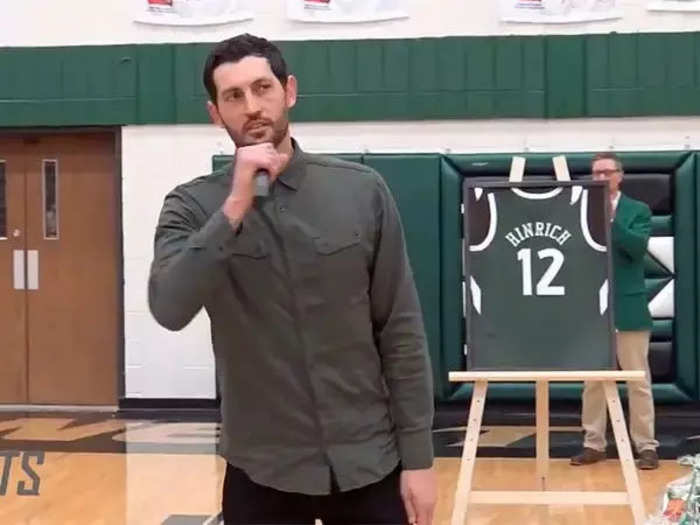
column 317, row 331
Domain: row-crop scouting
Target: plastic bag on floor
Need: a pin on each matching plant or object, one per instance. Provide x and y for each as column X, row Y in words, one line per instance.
column 680, row 502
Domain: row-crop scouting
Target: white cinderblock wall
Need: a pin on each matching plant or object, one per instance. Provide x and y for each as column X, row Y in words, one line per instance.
column 159, row 363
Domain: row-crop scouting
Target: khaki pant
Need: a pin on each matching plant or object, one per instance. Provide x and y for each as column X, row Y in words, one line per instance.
column 632, row 354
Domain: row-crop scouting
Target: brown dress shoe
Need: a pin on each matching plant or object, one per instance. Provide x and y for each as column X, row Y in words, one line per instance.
column 588, row 456
column 648, row 460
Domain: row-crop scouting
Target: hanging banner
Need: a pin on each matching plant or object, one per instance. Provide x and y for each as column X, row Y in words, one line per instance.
column 190, row 12
column 331, row 11
column 558, row 11
column 674, row 5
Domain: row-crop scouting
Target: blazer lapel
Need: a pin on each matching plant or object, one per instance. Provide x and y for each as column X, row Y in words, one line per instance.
column 624, row 210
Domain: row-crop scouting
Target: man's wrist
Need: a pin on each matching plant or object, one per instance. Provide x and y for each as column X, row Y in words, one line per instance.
column 235, row 224
column 233, row 214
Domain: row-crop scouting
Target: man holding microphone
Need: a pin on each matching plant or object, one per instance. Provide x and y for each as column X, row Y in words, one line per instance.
column 321, row 356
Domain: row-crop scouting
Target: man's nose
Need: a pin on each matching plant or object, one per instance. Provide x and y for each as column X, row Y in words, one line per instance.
column 251, row 104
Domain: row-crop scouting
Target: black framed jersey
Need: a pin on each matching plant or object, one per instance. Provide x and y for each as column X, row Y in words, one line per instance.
column 537, row 280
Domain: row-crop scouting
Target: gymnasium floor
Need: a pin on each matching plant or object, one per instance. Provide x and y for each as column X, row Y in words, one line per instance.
column 94, row 468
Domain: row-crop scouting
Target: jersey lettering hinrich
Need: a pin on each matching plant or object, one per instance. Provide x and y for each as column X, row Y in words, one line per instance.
column 538, row 229
column 538, row 288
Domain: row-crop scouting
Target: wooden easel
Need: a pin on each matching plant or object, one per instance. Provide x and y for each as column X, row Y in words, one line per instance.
column 464, row 494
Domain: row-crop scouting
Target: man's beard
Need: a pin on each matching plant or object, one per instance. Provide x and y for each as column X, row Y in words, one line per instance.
column 279, row 132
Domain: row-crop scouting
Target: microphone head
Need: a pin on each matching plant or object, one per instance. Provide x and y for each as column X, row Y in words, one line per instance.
column 262, row 183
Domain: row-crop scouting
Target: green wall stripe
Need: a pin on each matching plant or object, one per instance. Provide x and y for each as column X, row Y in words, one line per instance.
column 155, row 103
column 566, row 90
column 556, row 76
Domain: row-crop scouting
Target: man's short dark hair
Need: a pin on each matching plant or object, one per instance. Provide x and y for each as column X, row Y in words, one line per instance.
column 237, row 48
column 608, row 155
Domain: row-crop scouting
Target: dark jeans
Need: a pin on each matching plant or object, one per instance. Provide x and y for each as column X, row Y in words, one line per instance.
column 246, row 502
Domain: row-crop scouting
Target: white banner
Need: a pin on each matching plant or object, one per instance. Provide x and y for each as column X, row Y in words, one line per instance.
column 558, row 11
column 674, row 5
column 190, row 12
column 345, row 10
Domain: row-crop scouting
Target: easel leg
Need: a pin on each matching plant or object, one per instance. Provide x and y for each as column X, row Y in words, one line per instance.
column 629, row 470
column 542, row 450
column 542, row 422
column 466, row 470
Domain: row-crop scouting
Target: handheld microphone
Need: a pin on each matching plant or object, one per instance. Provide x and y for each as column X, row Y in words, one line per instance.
column 262, row 183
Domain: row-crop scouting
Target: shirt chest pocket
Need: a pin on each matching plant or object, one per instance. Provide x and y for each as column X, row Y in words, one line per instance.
column 249, row 257
column 248, row 248
column 249, row 264
column 341, row 262
column 332, row 244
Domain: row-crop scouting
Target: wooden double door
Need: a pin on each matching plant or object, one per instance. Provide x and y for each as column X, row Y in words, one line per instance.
column 59, row 269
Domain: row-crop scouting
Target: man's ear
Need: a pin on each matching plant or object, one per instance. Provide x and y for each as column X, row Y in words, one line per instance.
column 290, row 91
column 214, row 114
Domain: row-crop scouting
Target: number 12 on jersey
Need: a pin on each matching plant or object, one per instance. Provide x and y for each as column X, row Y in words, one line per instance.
column 544, row 285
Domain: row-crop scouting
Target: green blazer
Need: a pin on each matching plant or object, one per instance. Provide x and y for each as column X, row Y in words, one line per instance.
column 630, row 234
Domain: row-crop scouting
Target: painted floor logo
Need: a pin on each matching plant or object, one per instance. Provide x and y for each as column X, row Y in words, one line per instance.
column 17, row 465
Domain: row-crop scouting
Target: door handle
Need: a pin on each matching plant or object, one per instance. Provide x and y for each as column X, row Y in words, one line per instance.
column 18, row 269
column 32, row 269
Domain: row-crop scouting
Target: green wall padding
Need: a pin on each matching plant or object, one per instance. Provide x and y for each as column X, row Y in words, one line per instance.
column 662, row 329
column 685, row 259
column 414, row 181
column 662, row 225
column 451, row 273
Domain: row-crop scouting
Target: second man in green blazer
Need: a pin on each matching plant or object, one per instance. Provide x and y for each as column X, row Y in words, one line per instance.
column 630, row 230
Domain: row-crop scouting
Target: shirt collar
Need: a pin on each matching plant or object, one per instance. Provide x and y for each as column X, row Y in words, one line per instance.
column 294, row 172
column 616, row 199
